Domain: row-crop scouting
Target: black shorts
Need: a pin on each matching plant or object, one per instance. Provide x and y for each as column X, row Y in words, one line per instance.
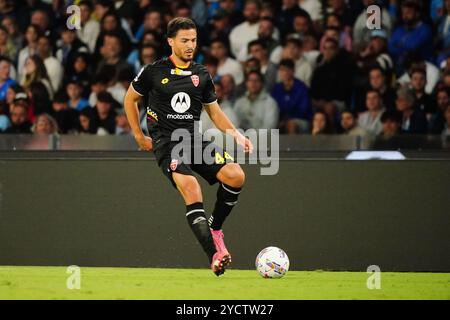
column 189, row 163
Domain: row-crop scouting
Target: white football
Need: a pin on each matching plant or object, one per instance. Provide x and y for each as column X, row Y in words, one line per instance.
column 272, row 262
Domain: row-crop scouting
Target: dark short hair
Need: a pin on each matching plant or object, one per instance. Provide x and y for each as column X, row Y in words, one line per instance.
column 259, row 74
column 334, row 42
column 295, row 41
column 288, row 63
column 336, row 16
column 373, row 90
column 74, row 81
column 419, row 70
column 182, row 5
column 5, row 58
column 37, row 29
column 219, row 40
column 377, row 67
column 99, row 78
column 43, row 36
column 391, row 115
column 60, row 97
column 414, row 4
column 333, row 29
column 256, row 2
column 105, row 3
column 113, row 34
column 88, row 113
column 353, row 113
column 3, row 28
column 105, row 97
column 257, row 42
column 302, row 14
column 210, row 60
column 86, row 3
column 149, row 45
column 270, row 19
column 443, row 89
column 179, row 23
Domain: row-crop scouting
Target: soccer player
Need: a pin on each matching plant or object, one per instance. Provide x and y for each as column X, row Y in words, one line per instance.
column 178, row 89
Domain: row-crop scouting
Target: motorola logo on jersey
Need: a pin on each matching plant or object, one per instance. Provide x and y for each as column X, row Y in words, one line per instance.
column 186, row 116
column 181, row 102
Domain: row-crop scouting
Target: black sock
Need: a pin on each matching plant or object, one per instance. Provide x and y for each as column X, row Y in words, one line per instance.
column 226, row 199
column 196, row 218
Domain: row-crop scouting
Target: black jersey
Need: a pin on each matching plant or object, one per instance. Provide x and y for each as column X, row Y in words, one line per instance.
column 175, row 96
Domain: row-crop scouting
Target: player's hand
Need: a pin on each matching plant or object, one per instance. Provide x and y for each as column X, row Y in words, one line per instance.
column 145, row 143
column 244, row 142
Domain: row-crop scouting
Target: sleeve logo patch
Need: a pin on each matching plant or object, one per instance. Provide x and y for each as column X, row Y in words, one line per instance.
column 173, row 164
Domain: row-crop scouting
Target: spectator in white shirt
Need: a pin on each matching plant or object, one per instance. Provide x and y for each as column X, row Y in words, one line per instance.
column 258, row 50
column 54, row 68
column 415, row 62
column 227, row 65
column 256, row 109
column 268, row 33
column 371, row 119
column 293, row 51
column 247, row 31
column 313, row 7
column 90, row 28
column 32, row 33
column 310, row 49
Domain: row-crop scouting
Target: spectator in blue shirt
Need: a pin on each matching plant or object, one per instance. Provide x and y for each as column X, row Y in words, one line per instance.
column 293, row 100
column 412, row 36
column 5, row 80
column 443, row 33
column 74, row 90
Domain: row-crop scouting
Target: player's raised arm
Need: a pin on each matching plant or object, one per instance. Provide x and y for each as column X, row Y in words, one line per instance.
column 130, row 103
column 221, row 121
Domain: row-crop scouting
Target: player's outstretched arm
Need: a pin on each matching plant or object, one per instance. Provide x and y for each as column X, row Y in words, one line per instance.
column 221, row 121
column 130, row 104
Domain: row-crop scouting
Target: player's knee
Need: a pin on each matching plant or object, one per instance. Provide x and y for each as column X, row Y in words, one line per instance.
column 190, row 187
column 235, row 175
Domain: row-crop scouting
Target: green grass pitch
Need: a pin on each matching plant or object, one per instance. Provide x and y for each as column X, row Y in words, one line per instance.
column 181, row 284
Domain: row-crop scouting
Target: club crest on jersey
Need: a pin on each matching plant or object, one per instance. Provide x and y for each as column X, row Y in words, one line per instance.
column 195, row 80
column 173, row 164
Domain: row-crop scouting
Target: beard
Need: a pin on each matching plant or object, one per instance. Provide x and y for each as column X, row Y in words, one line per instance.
column 252, row 19
column 184, row 56
column 186, row 59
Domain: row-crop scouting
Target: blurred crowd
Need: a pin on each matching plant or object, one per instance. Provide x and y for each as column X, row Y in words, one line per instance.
column 302, row 66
